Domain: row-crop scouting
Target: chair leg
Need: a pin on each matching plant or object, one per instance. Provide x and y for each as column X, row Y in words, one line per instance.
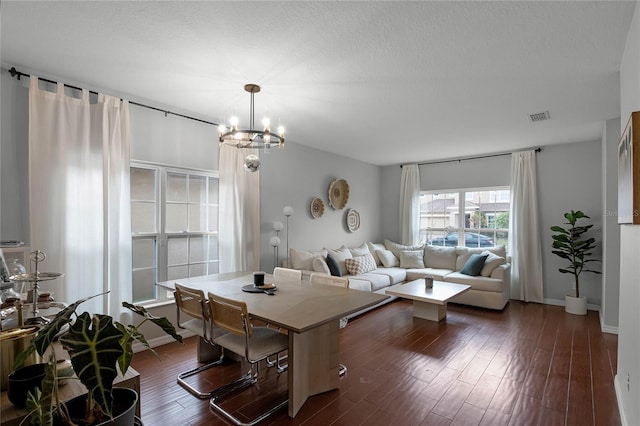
column 194, row 371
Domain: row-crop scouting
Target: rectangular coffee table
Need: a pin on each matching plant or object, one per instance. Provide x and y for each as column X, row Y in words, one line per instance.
column 429, row 304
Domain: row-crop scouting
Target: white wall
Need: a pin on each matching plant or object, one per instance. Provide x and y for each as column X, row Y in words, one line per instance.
column 629, row 319
column 294, row 176
column 569, row 177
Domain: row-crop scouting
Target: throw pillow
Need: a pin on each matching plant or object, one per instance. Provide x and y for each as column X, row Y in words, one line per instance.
column 388, row 259
column 411, row 259
column 340, row 255
column 492, row 262
column 395, row 248
column 303, row 259
column 440, row 257
column 360, row 264
column 334, row 267
column 360, row 250
column 320, row 265
column 465, row 252
column 373, row 247
column 474, row 265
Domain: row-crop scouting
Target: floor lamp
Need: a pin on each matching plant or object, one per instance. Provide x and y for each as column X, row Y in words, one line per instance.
column 275, row 241
column 287, row 211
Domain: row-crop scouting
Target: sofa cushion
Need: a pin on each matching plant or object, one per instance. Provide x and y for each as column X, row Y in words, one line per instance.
column 303, row 259
column 360, row 284
column 474, row 264
column 340, row 254
column 334, row 266
column 387, row 258
column 411, row 259
column 465, row 252
column 440, row 257
column 437, row 274
column 477, row 283
column 377, row 281
column 373, row 247
column 360, row 250
column 396, row 275
column 360, row 264
column 395, row 248
column 492, row 262
column 320, row 265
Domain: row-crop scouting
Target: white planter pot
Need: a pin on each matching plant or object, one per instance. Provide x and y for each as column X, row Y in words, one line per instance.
column 575, row 305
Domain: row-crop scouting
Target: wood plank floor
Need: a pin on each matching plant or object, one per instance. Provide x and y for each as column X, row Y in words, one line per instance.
column 530, row 364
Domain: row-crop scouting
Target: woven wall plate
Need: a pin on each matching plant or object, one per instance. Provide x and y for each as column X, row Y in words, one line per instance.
column 353, row 220
column 338, row 193
column 317, row 208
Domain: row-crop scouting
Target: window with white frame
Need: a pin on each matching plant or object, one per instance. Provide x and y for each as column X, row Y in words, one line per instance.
column 471, row 218
column 174, row 221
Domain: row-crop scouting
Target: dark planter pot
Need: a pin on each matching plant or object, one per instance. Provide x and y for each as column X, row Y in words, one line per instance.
column 23, row 380
column 124, row 409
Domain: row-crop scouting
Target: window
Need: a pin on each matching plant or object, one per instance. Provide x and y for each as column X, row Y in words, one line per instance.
column 174, row 221
column 480, row 220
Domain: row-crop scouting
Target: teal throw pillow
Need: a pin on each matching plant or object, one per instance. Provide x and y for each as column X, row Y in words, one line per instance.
column 334, row 266
column 474, row 265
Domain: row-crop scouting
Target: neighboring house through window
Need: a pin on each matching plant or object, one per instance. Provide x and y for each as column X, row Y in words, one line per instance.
column 174, row 221
column 480, row 220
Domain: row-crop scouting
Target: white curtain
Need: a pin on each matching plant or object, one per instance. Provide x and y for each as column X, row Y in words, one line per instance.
column 524, row 232
column 79, row 199
column 239, row 212
column 410, row 204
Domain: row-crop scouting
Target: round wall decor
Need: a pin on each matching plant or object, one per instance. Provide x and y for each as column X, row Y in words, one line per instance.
column 317, row 208
column 338, row 193
column 353, row 220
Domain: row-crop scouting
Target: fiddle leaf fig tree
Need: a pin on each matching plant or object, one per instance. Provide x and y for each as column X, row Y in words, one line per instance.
column 572, row 244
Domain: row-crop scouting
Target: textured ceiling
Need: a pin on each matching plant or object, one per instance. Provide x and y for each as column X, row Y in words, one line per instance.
column 384, row 82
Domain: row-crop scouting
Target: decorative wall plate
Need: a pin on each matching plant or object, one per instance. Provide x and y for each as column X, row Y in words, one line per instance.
column 317, row 208
column 338, row 193
column 353, row 220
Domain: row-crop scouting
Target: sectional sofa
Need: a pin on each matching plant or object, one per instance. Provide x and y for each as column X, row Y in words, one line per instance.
column 375, row 267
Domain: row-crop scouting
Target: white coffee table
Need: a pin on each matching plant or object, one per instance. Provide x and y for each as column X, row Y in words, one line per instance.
column 429, row 304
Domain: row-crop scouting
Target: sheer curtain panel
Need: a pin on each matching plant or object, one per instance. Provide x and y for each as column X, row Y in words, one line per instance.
column 239, row 212
column 79, row 195
column 410, row 204
column 524, row 232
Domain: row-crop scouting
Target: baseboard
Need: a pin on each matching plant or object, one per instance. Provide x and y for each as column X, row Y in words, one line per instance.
column 616, row 385
column 556, row 302
column 607, row 328
column 159, row 341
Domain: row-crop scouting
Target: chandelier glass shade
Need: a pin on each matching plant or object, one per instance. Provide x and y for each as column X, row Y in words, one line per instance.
column 252, row 138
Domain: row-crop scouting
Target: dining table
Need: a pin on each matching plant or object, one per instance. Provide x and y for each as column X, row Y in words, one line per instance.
column 310, row 315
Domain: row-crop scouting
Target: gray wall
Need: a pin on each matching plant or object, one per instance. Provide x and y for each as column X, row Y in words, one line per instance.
column 628, row 375
column 569, row 177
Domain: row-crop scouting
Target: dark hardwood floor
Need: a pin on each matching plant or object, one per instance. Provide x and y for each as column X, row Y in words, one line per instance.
column 530, row 364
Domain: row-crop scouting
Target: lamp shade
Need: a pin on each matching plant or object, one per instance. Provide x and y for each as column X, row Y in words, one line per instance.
column 274, row 241
column 287, row 211
column 277, row 226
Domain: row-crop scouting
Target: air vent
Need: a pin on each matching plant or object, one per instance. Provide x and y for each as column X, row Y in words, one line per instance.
column 539, row 116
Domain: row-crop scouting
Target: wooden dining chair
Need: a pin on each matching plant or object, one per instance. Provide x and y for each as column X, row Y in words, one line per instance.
column 254, row 343
column 193, row 304
column 319, row 278
column 295, row 274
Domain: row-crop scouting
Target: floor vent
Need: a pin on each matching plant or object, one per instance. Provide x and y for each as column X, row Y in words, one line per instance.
column 539, row 116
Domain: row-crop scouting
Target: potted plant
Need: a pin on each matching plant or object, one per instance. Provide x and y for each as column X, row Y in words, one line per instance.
column 97, row 346
column 573, row 245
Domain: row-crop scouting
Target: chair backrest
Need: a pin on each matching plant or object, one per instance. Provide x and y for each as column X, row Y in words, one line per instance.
column 295, row 274
column 191, row 301
column 320, row 278
column 230, row 315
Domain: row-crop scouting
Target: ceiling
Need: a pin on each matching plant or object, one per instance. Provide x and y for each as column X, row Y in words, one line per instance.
column 383, row 82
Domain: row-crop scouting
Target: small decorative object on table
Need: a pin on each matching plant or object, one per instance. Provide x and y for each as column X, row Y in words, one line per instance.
column 428, row 282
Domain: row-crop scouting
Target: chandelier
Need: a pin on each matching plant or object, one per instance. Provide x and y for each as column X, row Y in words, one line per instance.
column 251, row 138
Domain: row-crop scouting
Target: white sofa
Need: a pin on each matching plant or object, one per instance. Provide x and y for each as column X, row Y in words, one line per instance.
column 396, row 264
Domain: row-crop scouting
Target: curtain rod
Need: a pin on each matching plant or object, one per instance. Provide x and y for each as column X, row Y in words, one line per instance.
column 15, row 73
column 457, row 160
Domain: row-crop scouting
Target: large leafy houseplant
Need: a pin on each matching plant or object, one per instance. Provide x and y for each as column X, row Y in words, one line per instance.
column 572, row 244
column 97, row 345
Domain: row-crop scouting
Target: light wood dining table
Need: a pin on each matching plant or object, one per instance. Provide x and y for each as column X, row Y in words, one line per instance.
column 310, row 314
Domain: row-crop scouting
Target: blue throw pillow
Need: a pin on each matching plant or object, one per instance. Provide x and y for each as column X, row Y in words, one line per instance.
column 334, row 266
column 474, row 265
